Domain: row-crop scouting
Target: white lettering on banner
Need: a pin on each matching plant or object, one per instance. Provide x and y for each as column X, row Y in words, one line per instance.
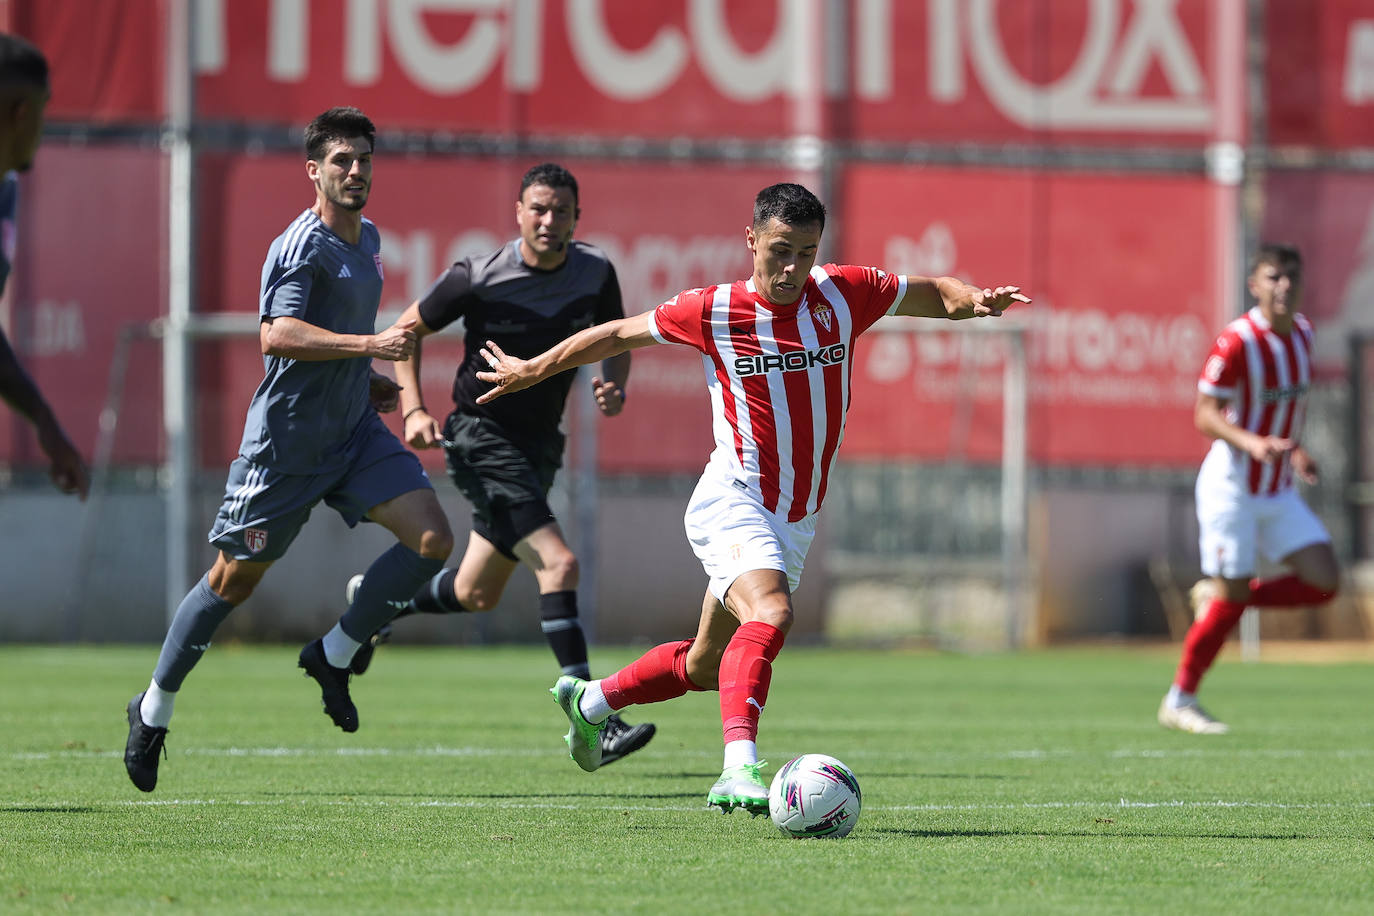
column 57, row 328
column 934, row 254
column 654, row 267
column 1103, row 87
column 1123, row 42
column 410, row 258
column 650, row 268
column 1357, row 86
column 1111, row 356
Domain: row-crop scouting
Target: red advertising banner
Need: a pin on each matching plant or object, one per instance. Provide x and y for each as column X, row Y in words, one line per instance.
column 1329, row 216
column 106, row 59
column 89, row 266
column 1320, row 72
column 1107, row 71
column 1119, row 268
column 430, row 213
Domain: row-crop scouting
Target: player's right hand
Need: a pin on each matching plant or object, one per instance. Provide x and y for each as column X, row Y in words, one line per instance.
column 396, row 342
column 1265, row 449
column 422, row 430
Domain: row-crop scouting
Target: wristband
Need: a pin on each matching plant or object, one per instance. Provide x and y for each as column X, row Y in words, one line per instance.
column 406, row 415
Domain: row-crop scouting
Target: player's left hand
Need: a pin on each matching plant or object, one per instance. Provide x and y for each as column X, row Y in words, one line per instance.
column 383, row 392
column 610, row 397
column 1304, row 466
column 990, row 302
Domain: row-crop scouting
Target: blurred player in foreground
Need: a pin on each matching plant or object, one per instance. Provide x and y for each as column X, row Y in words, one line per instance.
column 1252, row 397
column 777, row 350
column 23, row 96
column 528, row 295
column 312, row 435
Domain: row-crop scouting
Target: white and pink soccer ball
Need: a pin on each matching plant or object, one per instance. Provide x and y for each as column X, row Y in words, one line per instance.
column 814, row 795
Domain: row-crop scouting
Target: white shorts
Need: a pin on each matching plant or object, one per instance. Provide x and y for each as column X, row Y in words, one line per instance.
column 731, row 534
column 1235, row 527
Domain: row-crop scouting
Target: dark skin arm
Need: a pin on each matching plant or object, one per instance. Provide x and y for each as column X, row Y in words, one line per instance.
column 67, row 470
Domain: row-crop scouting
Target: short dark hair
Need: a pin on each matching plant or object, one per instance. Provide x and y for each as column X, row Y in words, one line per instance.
column 550, row 175
column 21, row 64
column 1277, row 255
column 789, row 203
column 343, row 123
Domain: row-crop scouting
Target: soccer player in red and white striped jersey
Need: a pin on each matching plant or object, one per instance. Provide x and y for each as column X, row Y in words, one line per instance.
column 1252, row 395
column 778, row 355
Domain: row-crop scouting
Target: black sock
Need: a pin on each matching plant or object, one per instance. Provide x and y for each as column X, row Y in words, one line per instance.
column 558, row 619
column 436, row 597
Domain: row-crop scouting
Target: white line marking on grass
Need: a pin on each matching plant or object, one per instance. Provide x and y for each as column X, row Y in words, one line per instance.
column 584, row 805
column 926, row 758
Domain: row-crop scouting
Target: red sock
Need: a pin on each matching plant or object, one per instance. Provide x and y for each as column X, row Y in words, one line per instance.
column 1286, row 591
column 657, row 675
column 746, row 669
column 1204, row 641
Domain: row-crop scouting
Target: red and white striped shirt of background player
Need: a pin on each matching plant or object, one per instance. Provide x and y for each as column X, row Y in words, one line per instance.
column 1264, row 378
column 779, row 375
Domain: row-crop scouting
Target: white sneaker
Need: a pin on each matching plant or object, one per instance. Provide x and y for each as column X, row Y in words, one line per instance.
column 1203, row 591
column 1191, row 718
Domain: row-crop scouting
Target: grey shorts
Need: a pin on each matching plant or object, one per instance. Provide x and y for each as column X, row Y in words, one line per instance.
column 264, row 510
column 506, row 482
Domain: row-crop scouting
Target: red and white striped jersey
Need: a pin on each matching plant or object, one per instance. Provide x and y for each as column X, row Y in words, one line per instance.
column 1263, row 377
column 779, row 375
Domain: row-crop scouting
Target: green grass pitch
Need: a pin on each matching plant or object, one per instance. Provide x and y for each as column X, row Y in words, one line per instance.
column 1027, row 783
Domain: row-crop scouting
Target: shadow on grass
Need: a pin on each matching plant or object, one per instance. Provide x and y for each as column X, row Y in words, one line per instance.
column 49, row 809
column 1097, row 835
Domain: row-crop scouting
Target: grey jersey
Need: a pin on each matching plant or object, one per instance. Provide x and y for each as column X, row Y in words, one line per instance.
column 525, row 311
column 306, row 416
column 9, row 205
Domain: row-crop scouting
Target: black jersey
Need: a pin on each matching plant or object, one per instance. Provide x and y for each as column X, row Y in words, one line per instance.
column 525, row 311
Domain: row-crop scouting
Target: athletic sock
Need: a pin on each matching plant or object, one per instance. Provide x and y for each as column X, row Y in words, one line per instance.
column 1178, row 697
column 339, row 647
column 593, row 703
column 740, row 752
column 1204, row 640
column 436, row 596
column 657, row 675
column 388, row 585
column 156, row 707
column 558, row 620
column 198, row 616
column 1286, row 591
column 746, row 669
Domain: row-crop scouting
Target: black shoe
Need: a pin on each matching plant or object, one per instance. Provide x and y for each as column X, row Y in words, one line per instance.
column 142, row 748
column 362, row 659
column 619, row 738
column 333, row 686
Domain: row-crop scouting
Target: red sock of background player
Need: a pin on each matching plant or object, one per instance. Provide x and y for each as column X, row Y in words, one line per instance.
column 1203, row 642
column 657, row 675
column 746, row 669
column 1286, row 591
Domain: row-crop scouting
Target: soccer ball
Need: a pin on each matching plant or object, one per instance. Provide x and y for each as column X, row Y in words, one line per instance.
column 814, row 795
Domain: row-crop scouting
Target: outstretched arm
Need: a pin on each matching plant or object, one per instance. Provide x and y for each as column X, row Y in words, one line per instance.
column 948, row 297
column 603, row 341
column 67, row 470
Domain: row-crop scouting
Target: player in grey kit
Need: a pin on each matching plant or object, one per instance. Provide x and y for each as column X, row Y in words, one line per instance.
column 312, row 435
column 529, row 294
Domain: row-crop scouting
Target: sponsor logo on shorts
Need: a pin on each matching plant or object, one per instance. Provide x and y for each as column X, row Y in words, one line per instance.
column 792, row 361
column 736, row 551
column 255, row 539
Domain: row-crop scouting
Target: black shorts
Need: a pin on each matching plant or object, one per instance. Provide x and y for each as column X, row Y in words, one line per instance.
column 507, row 483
